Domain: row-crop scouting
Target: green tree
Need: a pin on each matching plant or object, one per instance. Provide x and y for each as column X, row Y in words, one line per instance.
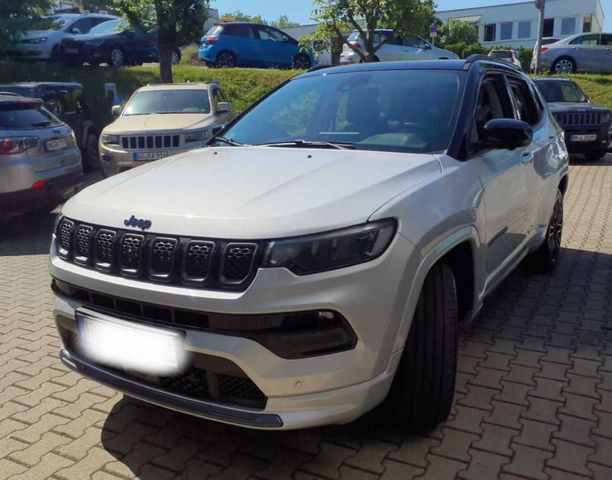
column 336, row 17
column 239, row 16
column 458, row 31
column 16, row 16
column 284, row 22
column 176, row 22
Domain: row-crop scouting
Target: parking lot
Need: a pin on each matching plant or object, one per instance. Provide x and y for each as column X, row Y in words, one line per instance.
column 533, row 397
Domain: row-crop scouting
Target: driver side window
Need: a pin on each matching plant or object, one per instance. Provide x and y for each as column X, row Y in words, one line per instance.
column 493, row 102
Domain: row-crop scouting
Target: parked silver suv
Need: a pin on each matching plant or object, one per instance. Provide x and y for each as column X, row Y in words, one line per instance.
column 585, row 52
column 40, row 163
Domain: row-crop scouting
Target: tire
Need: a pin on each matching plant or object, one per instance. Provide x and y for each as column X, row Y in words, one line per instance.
column 301, row 62
column 422, row 392
column 563, row 66
column 546, row 257
column 226, row 59
column 92, row 154
column 116, row 57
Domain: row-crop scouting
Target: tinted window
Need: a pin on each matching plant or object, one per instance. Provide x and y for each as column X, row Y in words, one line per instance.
column 523, row 100
column 25, row 116
column 244, row 31
column 561, row 91
column 592, row 39
column 107, row 27
column 386, row 110
column 168, row 101
column 270, row 34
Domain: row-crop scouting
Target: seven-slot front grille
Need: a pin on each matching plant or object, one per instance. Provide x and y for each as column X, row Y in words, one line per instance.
column 578, row 118
column 148, row 142
column 212, row 264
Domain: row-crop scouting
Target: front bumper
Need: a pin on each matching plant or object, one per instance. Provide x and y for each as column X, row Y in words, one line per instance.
column 327, row 389
column 116, row 160
column 55, row 191
column 40, row 51
column 601, row 142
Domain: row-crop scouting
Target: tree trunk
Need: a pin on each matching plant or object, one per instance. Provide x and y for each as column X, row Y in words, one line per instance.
column 165, row 64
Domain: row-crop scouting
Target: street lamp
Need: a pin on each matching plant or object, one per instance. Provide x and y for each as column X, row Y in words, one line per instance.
column 540, row 4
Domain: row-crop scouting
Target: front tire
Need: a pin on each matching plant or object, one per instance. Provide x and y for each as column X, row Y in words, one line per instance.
column 92, row 153
column 563, row 66
column 422, row 392
column 545, row 258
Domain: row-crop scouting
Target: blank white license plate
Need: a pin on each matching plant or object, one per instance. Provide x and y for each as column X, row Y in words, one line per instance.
column 147, row 156
column 71, row 50
column 58, row 144
column 583, row 138
column 129, row 345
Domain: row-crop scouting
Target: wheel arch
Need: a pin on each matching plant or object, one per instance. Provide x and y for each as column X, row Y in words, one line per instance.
column 459, row 250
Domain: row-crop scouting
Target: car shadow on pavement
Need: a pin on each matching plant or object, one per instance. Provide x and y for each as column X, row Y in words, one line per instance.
column 28, row 234
column 528, row 319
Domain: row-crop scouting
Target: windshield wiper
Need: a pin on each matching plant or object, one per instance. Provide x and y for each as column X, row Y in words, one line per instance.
column 227, row 141
column 309, row 143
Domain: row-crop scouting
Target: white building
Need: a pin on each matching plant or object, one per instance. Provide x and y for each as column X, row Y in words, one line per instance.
column 516, row 24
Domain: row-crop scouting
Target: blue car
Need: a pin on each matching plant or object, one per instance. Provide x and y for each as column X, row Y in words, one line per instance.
column 240, row 44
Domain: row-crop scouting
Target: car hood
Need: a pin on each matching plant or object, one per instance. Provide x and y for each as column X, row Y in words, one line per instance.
column 158, row 123
column 253, row 192
column 575, row 107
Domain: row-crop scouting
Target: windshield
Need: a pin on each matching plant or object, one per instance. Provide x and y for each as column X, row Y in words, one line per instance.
column 53, row 22
column 15, row 116
column 394, row 110
column 564, row 92
column 168, row 101
column 109, row 26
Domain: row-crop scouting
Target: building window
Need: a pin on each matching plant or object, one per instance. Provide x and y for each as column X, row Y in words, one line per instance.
column 587, row 24
column 549, row 27
column 568, row 26
column 505, row 31
column 524, row 30
column 489, row 33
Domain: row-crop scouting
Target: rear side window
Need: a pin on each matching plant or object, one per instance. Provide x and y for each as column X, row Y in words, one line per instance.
column 524, row 102
column 25, row 116
column 592, row 39
column 244, row 31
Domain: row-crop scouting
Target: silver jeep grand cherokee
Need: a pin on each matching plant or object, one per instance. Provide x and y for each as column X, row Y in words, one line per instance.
column 40, row 163
column 315, row 258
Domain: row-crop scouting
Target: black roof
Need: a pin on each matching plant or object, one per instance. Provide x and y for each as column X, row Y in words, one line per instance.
column 416, row 65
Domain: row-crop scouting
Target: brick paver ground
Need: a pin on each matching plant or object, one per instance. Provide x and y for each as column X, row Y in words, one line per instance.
column 534, row 389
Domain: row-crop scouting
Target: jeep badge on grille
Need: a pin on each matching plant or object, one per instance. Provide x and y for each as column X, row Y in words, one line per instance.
column 141, row 223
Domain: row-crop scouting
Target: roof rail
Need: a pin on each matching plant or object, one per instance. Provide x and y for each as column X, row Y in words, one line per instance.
column 482, row 57
column 318, row 67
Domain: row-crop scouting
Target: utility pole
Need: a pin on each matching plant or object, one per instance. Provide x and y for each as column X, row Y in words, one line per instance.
column 540, row 6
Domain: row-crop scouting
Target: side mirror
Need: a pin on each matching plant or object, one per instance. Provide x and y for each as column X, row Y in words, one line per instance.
column 224, row 107
column 507, row 133
column 116, row 110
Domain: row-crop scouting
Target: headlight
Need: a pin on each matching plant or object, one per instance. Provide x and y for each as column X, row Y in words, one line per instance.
column 328, row 251
column 39, row 40
column 605, row 117
column 198, row 136
column 109, row 139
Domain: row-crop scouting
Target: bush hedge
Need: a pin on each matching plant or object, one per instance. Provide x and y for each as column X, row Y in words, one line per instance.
column 243, row 86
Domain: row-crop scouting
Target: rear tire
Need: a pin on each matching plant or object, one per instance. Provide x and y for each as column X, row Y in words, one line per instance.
column 422, row 392
column 116, row 57
column 226, row 59
column 545, row 258
column 563, row 66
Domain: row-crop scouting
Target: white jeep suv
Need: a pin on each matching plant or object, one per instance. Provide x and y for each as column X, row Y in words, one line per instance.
column 161, row 120
column 316, row 257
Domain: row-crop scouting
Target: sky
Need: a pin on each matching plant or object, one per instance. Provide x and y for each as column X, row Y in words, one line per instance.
column 299, row 10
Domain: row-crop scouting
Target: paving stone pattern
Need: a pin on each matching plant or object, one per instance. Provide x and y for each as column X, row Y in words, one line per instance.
column 533, row 395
